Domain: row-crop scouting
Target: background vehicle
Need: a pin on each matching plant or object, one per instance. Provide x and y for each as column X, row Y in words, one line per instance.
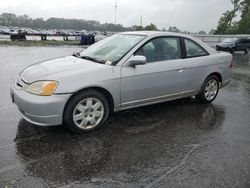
column 234, row 44
column 120, row 72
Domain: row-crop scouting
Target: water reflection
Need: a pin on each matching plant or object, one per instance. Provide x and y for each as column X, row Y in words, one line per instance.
column 241, row 63
column 136, row 144
column 241, row 58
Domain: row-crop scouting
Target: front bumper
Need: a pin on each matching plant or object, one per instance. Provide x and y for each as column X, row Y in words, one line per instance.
column 39, row 110
column 224, row 49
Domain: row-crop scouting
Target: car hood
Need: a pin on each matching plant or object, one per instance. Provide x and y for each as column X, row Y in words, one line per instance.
column 225, row 44
column 59, row 66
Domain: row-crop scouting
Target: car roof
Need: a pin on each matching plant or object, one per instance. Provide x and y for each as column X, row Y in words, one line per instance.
column 155, row 33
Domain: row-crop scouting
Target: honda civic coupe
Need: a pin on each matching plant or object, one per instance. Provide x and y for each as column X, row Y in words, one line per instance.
column 124, row 71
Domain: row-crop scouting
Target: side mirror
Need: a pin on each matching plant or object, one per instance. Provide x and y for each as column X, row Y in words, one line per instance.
column 136, row 60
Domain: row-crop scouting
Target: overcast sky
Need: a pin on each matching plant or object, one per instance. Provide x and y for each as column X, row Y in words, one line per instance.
column 191, row 15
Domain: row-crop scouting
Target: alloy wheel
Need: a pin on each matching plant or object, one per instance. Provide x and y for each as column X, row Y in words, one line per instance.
column 211, row 89
column 88, row 113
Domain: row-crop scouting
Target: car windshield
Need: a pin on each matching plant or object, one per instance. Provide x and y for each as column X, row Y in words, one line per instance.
column 230, row 40
column 111, row 49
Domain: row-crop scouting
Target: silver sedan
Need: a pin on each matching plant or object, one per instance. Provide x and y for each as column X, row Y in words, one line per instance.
column 124, row 71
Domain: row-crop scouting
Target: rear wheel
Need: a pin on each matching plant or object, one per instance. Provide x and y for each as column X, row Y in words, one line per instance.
column 209, row 90
column 85, row 112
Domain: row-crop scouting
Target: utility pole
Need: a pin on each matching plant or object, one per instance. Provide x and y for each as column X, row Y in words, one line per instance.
column 141, row 21
column 115, row 9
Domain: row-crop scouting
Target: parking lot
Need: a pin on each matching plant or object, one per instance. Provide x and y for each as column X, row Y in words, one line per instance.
column 175, row 144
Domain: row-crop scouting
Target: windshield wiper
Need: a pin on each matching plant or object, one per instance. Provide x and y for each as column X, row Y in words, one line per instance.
column 91, row 59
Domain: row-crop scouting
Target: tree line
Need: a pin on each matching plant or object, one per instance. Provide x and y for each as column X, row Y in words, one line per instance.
column 10, row 19
column 228, row 23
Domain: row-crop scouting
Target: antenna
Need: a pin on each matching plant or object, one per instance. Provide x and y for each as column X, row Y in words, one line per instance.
column 115, row 9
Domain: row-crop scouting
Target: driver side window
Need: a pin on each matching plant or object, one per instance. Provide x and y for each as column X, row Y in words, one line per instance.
column 161, row 49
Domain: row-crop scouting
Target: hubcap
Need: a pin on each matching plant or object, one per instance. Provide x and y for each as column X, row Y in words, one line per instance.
column 211, row 89
column 88, row 113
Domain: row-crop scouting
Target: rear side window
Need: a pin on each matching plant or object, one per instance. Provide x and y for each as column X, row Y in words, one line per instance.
column 241, row 41
column 193, row 49
column 244, row 41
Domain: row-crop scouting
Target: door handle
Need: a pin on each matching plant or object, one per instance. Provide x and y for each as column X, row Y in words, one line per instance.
column 180, row 70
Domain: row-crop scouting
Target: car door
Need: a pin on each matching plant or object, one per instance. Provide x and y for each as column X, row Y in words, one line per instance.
column 161, row 78
column 241, row 45
column 248, row 44
column 197, row 65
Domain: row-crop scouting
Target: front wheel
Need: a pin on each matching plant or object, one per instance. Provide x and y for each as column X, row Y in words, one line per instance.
column 85, row 112
column 232, row 50
column 209, row 90
column 247, row 50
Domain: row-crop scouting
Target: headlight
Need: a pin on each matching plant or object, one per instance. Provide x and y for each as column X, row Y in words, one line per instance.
column 43, row 88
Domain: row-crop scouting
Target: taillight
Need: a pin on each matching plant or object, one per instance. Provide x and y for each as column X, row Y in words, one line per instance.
column 232, row 64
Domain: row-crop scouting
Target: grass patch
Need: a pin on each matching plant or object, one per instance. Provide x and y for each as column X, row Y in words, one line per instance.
column 39, row 43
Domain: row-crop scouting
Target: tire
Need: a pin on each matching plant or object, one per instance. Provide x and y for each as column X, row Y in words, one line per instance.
column 247, row 51
column 86, row 112
column 209, row 90
column 232, row 50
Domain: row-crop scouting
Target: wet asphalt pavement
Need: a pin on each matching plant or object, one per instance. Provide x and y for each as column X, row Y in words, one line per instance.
column 175, row 144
